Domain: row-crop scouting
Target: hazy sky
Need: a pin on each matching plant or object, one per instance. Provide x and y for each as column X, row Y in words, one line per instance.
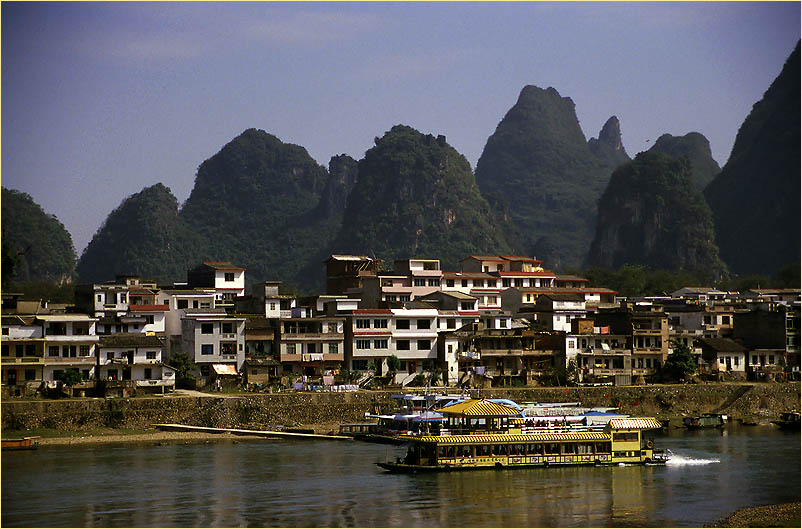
column 100, row 100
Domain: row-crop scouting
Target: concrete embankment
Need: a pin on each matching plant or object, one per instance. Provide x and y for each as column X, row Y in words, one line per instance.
column 752, row 402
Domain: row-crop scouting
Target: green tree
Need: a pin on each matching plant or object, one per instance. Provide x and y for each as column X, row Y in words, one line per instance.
column 393, row 364
column 70, row 377
column 183, row 365
column 680, row 363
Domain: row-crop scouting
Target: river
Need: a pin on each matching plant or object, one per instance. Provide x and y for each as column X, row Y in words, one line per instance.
column 337, row 484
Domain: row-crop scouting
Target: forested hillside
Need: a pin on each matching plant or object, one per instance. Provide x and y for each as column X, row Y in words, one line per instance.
column 755, row 199
column 36, row 246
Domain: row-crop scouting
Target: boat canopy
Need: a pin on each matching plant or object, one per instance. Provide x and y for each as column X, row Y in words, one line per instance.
column 479, row 408
column 639, row 423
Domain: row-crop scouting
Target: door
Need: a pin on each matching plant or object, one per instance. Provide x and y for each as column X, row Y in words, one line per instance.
column 127, row 373
column 12, row 377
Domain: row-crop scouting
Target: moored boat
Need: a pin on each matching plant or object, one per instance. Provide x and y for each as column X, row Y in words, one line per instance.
column 480, row 434
column 25, row 443
column 706, row 420
column 788, row 421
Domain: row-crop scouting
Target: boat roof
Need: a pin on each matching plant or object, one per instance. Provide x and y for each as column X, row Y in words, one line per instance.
column 515, row 438
column 479, row 408
column 635, row 423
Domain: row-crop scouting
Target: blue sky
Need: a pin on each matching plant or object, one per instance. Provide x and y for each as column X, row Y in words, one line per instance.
column 100, row 100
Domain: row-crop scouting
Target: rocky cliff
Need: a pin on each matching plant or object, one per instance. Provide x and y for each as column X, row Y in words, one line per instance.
column 696, row 148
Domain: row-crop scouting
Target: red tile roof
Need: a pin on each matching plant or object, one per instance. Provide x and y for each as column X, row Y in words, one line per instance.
column 148, row 308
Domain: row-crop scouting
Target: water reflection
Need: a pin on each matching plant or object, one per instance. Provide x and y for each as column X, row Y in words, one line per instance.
column 314, row 484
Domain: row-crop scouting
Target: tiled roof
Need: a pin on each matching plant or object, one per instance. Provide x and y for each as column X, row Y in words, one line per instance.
column 635, row 423
column 479, row 408
column 222, row 265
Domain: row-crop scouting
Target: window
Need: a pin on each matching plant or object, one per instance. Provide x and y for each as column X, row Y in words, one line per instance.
column 110, row 356
column 491, row 282
column 228, row 327
column 404, row 297
column 390, row 298
column 122, row 297
column 333, row 327
column 84, row 350
column 148, row 373
column 149, row 319
column 402, row 324
column 707, row 320
column 450, row 283
column 272, row 306
column 451, row 323
column 100, row 298
column 424, row 345
column 207, row 349
column 151, row 355
column 420, row 282
column 5, row 331
column 502, row 324
column 207, row 328
column 290, row 348
column 334, row 349
column 402, row 345
column 363, row 324
column 380, row 324
column 491, row 300
column 424, row 324
column 519, row 282
column 754, row 359
column 505, row 283
column 359, row 365
column 771, row 359
column 434, row 282
column 5, row 350
column 735, row 361
column 30, row 374
column 363, row 344
column 464, row 282
column 204, row 369
column 182, row 303
column 380, row 344
column 466, row 305
column 478, row 283
column 229, row 277
column 725, row 320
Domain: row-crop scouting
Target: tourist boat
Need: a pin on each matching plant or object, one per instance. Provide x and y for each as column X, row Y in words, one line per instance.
column 26, row 443
column 480, row 434
column 706, row 420
column 788, row 421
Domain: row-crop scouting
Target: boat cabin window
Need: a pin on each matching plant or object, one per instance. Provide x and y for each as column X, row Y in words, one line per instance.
column 483, row 451
column 552, row 448
column 625, row 436
column 569, row 448
column 534, row 449
column 602, row 448
column 499, row 450
column 465, row 451
column 584, row 448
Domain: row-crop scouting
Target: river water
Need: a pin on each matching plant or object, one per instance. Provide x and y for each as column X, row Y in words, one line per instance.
column 337, row 484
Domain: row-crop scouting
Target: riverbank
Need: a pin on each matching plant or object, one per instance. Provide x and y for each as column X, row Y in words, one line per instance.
column 779, row 515
column 756, row 403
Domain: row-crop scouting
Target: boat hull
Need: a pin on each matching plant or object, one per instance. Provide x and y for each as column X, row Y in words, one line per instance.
column 19, row 444
column 405, row 468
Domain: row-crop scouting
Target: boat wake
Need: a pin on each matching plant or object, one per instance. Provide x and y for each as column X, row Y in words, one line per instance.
column 678, row 460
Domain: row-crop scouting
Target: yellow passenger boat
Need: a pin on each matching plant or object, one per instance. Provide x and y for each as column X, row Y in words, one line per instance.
column 481, row 434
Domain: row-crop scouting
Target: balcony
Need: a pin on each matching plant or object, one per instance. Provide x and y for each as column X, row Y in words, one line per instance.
column 22, row 360
column 228, row 336
column 81, row 360
column 307, row 336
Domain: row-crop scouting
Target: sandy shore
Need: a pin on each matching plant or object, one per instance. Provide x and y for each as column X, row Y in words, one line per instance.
column 158, row 436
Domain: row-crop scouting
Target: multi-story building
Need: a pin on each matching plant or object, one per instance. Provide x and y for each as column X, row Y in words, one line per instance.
column 311, row 346
column 70, row 342
column 23, row 350
column 135, row 359
column 227, row 280
column 214, row 340
column 555, row 311
column 602, row 354
column 345, row 273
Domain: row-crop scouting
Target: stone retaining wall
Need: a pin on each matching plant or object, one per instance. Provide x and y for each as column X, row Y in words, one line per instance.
column 740, row 401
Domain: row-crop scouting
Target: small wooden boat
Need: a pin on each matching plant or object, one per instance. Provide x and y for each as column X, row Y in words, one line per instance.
column 789, row 421
column 26, row 443
column 706, row 420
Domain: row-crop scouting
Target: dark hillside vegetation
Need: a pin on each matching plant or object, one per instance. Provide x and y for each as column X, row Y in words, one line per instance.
column 36, row 246
column 756, row 198
column 415, row 196
column 651, row 215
